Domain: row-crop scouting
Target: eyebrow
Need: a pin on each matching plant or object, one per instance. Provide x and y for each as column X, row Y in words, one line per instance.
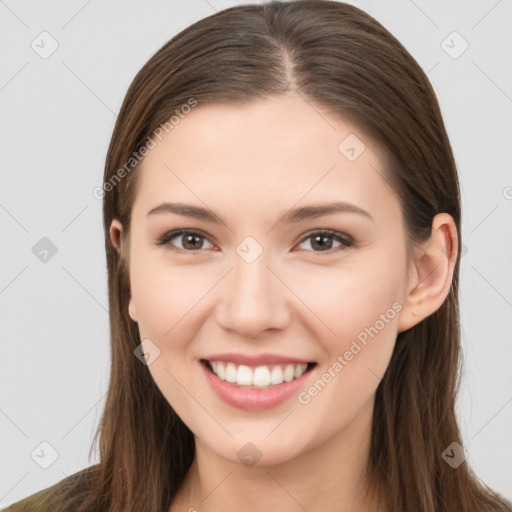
column 292, row 216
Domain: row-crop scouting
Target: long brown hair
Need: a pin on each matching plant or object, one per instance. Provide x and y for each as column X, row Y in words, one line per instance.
column 335, row 56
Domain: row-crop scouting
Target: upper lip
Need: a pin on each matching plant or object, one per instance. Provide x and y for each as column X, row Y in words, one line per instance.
column 260, row 359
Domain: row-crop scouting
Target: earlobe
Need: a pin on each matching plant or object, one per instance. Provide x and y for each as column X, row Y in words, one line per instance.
column 432, row 273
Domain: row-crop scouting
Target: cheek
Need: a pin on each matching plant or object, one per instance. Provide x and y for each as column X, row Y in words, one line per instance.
column 349, row 300
column 163, row 294
column 359, row 306
column 359, row 310
column 164, row 298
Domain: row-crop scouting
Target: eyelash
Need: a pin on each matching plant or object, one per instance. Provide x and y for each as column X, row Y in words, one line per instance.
column 345, row 240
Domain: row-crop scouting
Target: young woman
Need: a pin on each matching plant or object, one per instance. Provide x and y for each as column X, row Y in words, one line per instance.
column 282, row 222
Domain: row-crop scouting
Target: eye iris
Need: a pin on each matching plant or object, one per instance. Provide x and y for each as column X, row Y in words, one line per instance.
column 186, row 239
column 321, row 245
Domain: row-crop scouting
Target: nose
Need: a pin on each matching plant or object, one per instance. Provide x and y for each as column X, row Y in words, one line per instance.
column 254, row 298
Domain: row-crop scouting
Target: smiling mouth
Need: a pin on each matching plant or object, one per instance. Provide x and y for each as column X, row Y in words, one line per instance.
column 257, row 377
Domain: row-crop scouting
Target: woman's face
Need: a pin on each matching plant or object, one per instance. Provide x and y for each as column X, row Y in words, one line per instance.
column 264, row 280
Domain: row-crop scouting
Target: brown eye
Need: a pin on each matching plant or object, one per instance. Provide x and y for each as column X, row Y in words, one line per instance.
column 322, row 241
column 191, row 240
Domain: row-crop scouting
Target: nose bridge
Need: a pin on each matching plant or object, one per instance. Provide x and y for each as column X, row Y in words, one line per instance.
column 252, row 298
column 251, row 277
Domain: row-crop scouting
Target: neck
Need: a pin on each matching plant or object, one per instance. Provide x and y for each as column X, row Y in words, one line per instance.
column 330, row 476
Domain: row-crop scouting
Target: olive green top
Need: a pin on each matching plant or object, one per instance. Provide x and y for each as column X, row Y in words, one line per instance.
column 50, row 499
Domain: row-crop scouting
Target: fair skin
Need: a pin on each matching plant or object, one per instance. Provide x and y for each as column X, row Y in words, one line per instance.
column 250, row 164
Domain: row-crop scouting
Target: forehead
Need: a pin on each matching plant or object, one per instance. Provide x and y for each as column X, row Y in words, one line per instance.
column 272, row 151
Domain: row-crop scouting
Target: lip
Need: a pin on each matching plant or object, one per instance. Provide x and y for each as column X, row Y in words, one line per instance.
column 254, row 399
column 258, row 360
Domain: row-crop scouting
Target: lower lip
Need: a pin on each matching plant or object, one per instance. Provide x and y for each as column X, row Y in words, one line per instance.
column 254, row 399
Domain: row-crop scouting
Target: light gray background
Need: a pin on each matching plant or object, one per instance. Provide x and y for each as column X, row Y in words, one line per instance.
column 58, row 114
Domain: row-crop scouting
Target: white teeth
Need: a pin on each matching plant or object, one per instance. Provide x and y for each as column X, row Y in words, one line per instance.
column 289, row 373
column 259, row 377
column 276, row 377
column 230, row 373
column 221, row 372
column 244, row 376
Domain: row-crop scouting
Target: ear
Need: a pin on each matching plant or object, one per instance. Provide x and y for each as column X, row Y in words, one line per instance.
column 431, row 273
column 116, row 236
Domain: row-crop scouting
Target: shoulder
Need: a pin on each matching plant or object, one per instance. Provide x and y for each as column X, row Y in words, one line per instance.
column 52, row 498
